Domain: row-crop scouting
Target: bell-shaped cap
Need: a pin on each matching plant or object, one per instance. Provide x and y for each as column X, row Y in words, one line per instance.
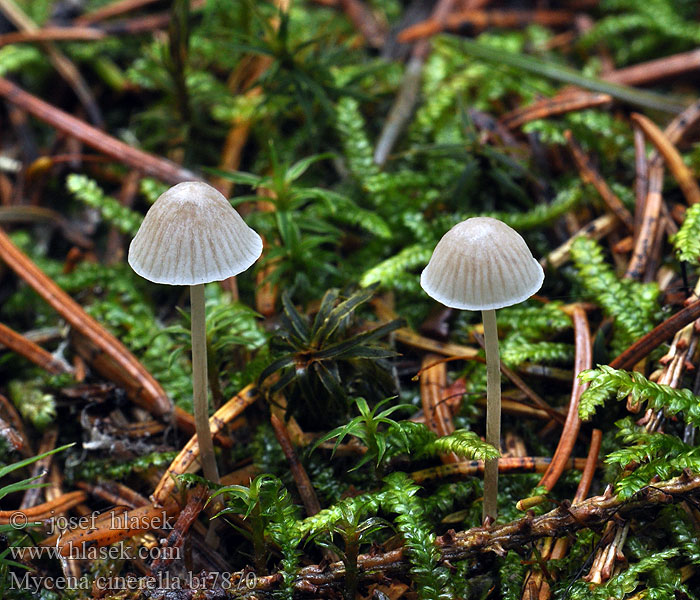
column 481, row 264
column 192, row 235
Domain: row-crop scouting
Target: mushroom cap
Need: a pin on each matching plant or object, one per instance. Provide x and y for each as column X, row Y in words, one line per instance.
column 192, row 235
column 481, row 264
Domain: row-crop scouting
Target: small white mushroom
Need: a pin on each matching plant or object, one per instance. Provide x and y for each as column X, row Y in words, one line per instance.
column 483, row 264
column 192, row 236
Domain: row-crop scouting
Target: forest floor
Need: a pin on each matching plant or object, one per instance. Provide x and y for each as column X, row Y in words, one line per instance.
column 347, row 407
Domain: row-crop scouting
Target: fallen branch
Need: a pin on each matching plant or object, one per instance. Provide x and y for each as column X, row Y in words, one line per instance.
column 185, row 461
column 560, row 522
column 147, row 163
column 33, row 352
column 140, row 384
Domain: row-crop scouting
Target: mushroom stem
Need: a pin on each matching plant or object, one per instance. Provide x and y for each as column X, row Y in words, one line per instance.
column 199, row 384
column 493, row 411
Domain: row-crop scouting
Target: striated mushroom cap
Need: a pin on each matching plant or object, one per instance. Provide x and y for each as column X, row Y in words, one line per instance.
column 481, row 264
column 192, row 235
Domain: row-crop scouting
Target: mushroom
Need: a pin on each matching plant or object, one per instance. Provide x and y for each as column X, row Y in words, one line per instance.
column 192, row 236
column 483, row 264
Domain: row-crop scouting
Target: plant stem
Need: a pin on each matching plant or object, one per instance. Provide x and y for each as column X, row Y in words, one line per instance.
column 493, row 411
column 352, row 550
column 199, row 384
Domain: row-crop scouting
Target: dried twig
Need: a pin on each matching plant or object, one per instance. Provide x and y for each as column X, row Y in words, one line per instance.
column 40, row 469
column 657, row 336
column 31, row 351
column 484, row 18
column 686, row 180
column 641, row 178
column 115, row 493
column 60, row 61
column 654, row 70
column 361, row 16
column 411, row 338
column 114, row 527
column 596, row 229
column 136, row 159
column 509, row 464
column 144, row 389
column 405, row 100
column 438, row 418
column 590, row 175
column 527, row 390
column 584, row 360
column 113, row 9
column 301, row 478
column 549, row 107
column 176, row 538
column 52, row 34
column 43, row 511
column 185, row 461
column 653, row 204
column 651, row 217
column 499, row 539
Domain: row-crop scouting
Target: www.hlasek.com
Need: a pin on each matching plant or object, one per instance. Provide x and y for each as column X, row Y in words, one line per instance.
column 118, row 551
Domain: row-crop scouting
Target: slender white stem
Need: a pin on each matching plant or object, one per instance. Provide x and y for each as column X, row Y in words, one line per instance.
column 493, row 411
column 199, row 384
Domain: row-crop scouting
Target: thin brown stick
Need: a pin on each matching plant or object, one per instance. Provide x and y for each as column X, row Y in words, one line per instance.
column 150, row 164
column 482, row 19
column 590, row 175
column 644, row 243
column 583, row 361
column 653, row 205
column 176, row 537
column 185, row 461
column 52, row 34
column 641, row 178
column 508, row 464
column 584, row 485
column 654, row 70
column 405, row 100
column 145, row 24
column 60, row 61
column 115, row 527
column 657, row 336
column 411, row 338
column 43, row 511
column 361, row 16
column 550, row 107
column 41, row 214
column 40, row 469
column 562, row 544
column 145, row 390
column 114, row 251
column 114, row 492
column 33, row 352
column 527, row 390
column 681, row 172
column 596, row 230
column 682, row 124
column 301, row 478
column 438, row 418
column 113, row 9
